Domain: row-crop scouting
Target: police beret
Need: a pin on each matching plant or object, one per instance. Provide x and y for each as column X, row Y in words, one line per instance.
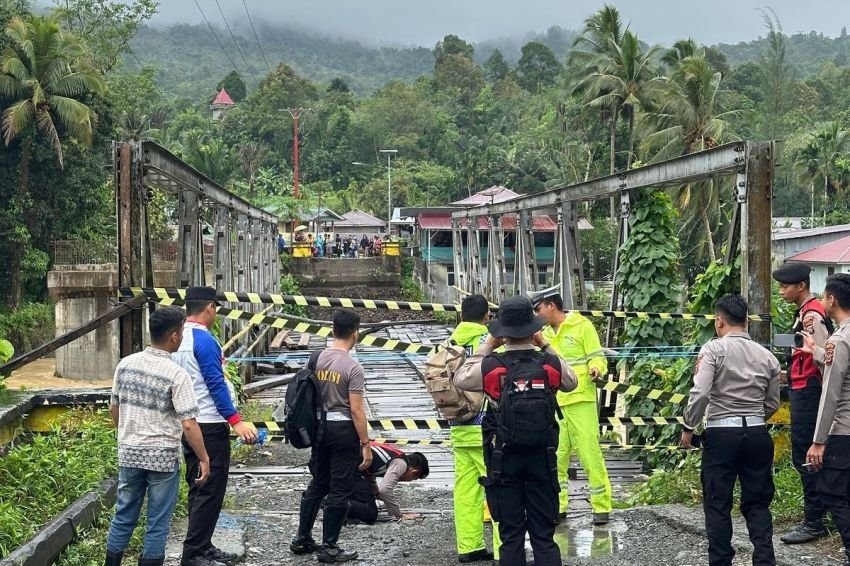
column 538, row 297
column 200, row 294
column 792, row 273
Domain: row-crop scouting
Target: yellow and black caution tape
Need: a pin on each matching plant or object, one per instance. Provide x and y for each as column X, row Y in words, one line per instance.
column 637, row 391
column 302, row 300
column 307, row 328
column 278, row 437
column 268, row 298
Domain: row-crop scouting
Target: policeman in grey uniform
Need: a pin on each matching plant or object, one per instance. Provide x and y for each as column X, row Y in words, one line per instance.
column 830, row 451
column 736, row 385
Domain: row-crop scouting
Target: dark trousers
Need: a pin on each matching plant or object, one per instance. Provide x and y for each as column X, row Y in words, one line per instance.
column 333, row 465
column 362, row 506
column 205, row 501
column 834, row 484
column 744, row 454
column 804, row 413
column 525, row 500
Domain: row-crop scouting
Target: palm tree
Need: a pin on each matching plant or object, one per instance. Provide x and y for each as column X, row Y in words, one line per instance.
column 680, row 51
column 691, row 115
column 42, row 75
column 252, row 154
column 208, row 155
column 602, row 32
column 620, row 81
column 820, row 159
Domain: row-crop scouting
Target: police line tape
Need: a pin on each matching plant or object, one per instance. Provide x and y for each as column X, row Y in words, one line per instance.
column 176, row 294
column 278, row 437
column 408, row 348
column 434, row 425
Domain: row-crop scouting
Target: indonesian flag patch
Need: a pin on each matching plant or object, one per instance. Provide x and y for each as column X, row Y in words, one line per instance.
column 830, row 352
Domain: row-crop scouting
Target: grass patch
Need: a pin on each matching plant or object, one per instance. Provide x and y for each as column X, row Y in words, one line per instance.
column 41, row 476
column 254, row 411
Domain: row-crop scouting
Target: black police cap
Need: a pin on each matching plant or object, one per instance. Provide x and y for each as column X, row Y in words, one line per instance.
column 200, row 294
column 791, row 273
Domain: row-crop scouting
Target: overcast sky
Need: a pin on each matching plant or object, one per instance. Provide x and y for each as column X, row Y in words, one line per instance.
column 423, row 22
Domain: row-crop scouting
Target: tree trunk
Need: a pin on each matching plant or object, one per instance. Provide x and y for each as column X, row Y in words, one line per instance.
column 708, row 238
column 17, row 252
column 631, row 139
column 612, row 153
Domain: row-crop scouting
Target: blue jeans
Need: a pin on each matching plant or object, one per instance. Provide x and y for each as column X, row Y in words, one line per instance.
column 162, row 489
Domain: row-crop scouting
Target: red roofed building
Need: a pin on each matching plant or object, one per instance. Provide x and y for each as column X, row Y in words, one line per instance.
column 825, row 260
column 221, row 104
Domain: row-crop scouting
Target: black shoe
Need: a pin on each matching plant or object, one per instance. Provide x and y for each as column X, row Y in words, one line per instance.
column 303, row 546
column 151, row 561
column 200, row 561
column 475, row 556
column 214, row 553
column 805, row 532
column 600, row 518
column 113, row 558
column 334, row 554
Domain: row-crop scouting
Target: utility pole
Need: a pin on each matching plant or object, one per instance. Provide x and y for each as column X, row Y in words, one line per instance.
column 390, row 153
column 296, row 114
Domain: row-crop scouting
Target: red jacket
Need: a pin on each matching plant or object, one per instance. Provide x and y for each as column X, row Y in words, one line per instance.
column 803, row 365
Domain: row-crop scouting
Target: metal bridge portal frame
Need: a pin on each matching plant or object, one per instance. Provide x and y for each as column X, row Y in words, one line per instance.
column 239, row 227
column 752, row 164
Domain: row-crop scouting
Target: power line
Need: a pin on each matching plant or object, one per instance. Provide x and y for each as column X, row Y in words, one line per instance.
column 236, row 43
column 226, row 54
column 257, row 37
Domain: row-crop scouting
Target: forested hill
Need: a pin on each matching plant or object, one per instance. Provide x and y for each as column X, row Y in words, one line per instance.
column 807, row 52
column 190, row 59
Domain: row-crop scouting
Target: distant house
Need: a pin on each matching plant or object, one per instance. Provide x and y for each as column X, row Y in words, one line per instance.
column 316, row 219
column 221, row 104
column 788, row 243
column 358, row 222
column 825, row 260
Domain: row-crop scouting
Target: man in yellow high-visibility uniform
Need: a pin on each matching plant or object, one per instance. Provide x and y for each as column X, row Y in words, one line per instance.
column 468, row 448
column 574, row 338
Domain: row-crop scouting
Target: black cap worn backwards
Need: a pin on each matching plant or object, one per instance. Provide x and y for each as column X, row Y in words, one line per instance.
column 516, row 319
column 201, row 294
column 791, row 273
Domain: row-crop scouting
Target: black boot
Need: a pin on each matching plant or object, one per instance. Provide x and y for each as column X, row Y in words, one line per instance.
column 151, row 561
column 113, row 558
column 331, row 527
column 303, row 543
column 804, row 532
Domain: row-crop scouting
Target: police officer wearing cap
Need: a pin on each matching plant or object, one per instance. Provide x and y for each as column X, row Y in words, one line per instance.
column 736, row 385
column 804, row 377
column 575, row 339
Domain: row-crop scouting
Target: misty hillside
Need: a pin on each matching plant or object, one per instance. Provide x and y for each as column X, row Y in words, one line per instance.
column 189, row 58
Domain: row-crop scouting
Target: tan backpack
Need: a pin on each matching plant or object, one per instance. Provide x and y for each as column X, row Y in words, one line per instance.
column 452, row 403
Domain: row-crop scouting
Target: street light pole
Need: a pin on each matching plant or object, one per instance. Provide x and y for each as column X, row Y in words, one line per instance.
column 389, row 153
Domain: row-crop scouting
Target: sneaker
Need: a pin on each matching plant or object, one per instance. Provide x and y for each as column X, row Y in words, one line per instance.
column 214, row 553
column 476, row 556
column 334, row 554
column 600, row 518
column 303, row 546
column 200, row 561
column 804, row 532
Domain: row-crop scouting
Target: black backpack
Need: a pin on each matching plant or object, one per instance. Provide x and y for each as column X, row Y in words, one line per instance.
column 303, row 402
column 527, row 407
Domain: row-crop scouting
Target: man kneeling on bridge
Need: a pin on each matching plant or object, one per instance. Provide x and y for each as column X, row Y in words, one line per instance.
column 392, row 466
column 736, row 383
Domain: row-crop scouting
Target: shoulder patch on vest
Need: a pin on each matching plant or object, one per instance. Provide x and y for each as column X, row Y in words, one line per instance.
column 809, row 324
column 830, row 353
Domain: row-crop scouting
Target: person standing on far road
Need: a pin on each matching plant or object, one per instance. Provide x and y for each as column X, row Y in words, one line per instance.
column 804, row 377
column 200, row 355
column 830, row 451
column 736, row 384
column 152, row 403
column 342, row 450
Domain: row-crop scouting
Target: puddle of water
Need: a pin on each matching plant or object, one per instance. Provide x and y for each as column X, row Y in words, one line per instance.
column 580, row 539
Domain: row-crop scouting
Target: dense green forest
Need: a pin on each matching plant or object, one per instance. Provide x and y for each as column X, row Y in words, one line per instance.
column 463, row 117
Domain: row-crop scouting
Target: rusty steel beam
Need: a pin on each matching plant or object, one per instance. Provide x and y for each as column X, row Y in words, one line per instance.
column 719, row 161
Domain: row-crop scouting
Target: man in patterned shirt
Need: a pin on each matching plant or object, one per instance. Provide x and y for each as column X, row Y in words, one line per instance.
column 152, row 405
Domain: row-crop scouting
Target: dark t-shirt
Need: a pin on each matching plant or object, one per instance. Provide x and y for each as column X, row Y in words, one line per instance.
column 338, row 374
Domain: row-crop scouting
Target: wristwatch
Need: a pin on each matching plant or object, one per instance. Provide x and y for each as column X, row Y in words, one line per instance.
column 364, row 442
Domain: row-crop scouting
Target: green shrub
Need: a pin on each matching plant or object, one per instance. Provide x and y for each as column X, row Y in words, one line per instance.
column 28, row 327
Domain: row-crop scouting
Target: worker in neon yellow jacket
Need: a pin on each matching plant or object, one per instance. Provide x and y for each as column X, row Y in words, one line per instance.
column 575, row 339
column 468, row 448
